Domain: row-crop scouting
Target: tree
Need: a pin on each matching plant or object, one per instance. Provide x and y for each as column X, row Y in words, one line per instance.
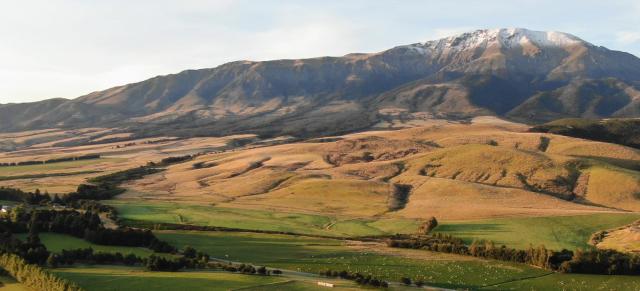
column 262, row 270
column 189, row 252
column 17, row 213
column 130, row 259
column 56, row 199
column 52, row 260
column 203, row 257
column 33, row 237
column 428, row 225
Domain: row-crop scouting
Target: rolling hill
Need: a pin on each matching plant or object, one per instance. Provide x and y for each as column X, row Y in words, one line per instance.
column 524, row 75
column 447, row 169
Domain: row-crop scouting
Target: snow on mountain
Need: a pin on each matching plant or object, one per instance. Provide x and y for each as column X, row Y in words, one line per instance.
column 503, row 37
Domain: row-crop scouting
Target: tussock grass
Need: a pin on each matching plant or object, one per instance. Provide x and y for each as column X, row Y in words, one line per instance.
column 623, row 239
column 353, row 175
column 614, row 187
column 338, row 197
column 458, row 200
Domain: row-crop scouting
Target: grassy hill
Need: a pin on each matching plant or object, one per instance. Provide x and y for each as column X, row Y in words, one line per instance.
column 454, row 171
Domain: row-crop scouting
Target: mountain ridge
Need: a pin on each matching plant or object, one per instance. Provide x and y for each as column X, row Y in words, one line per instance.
column 524, row 75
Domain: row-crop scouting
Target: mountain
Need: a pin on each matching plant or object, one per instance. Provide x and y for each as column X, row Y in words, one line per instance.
column 519, row 74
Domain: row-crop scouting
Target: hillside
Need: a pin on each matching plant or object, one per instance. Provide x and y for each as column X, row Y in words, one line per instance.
column 447, row 169
column 620, row 131
column 523, row 75
column 454, row 170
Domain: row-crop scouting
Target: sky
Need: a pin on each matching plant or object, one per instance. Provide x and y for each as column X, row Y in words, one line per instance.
column 68, row 48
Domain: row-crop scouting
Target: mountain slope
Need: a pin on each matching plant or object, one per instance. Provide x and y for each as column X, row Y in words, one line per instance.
column 516, row 73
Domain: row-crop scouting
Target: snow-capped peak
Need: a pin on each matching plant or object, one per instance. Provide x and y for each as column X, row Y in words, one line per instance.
column 540, row 38
column 504, row 37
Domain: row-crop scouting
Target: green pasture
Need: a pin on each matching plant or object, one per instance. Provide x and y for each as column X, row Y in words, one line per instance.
column 57, row 242
column 112, row 278
column 139, row 213
column 557, row 232
column 315, row 254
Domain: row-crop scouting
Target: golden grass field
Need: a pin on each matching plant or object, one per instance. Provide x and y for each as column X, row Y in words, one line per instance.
column 488, row 168
column 115, row 156
column 624, row 239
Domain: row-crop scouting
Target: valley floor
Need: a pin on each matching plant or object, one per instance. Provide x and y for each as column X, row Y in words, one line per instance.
column 305, row 256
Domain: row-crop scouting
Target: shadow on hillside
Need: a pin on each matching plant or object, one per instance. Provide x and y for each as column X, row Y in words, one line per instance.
column 622, row 163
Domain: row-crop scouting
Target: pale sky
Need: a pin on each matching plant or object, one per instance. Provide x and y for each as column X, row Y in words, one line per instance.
column 65, row 48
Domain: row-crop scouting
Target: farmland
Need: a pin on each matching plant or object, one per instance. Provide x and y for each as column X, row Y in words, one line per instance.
column 436, row 269
column 314, row 255
column 103, row 278
column 58, row 242
column 306, row 255
column 124, row 278
column 150, row 213
column 557, row 232
column 572, row 282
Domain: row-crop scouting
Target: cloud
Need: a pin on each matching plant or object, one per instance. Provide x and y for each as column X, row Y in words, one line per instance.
column 319, row 37
column 444, row 32
column 628, row 37
column 451, row 31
